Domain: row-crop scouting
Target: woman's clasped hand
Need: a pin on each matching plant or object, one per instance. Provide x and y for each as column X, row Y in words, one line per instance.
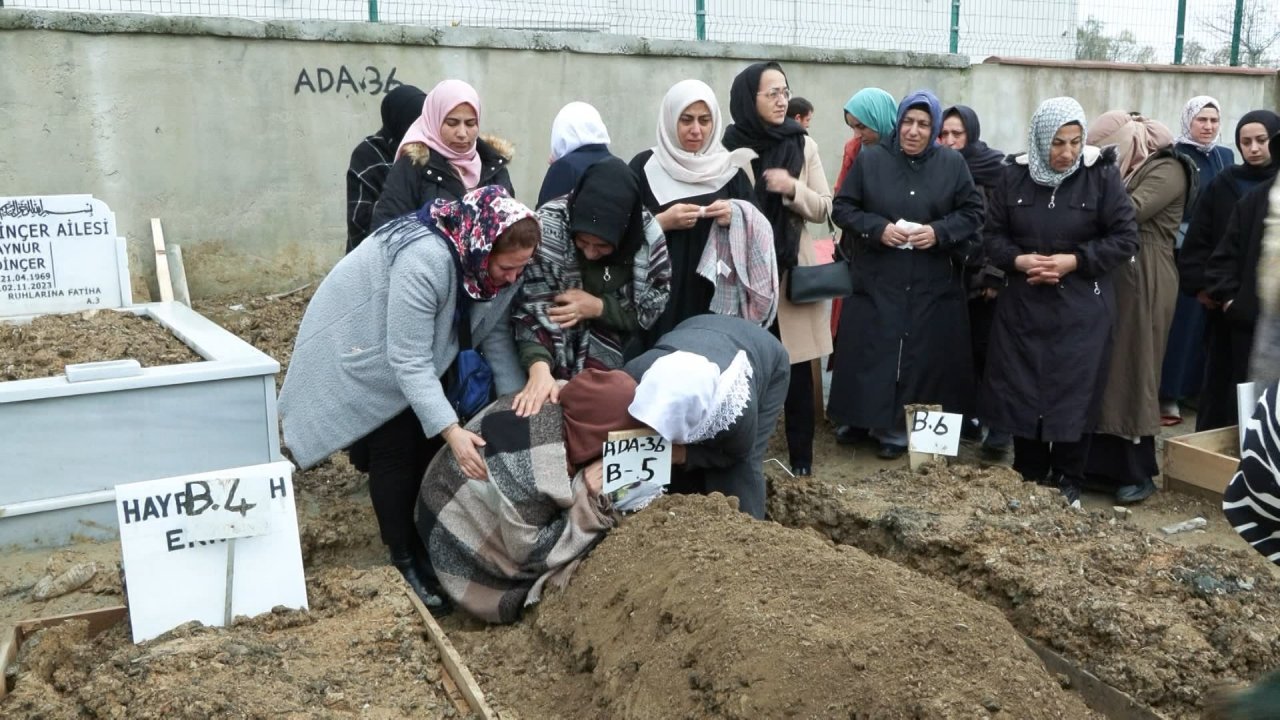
column 1046, row 269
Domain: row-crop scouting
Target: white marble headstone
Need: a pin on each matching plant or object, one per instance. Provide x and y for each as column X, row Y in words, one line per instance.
column 59, row 254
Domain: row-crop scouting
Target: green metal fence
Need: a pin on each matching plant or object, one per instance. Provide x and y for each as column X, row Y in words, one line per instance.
column 1199, row 32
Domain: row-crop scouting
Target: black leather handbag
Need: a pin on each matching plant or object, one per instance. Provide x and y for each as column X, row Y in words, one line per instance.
column 816, row 283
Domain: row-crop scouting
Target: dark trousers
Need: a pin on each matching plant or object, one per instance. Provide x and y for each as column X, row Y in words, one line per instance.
column 1037, row 459
column 798, row 414
column 396, row 455
column 1115, row 461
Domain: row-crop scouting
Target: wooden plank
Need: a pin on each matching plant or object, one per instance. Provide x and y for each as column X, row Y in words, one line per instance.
column 1173, row 484
column 452, row 661
column 917, row 459
column 451, row 690
column 162, row 262
column 99, row 620
column 1099, row 696
column 1204, row 460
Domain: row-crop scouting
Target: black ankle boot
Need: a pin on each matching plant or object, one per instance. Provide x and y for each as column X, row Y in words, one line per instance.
column 436, row 602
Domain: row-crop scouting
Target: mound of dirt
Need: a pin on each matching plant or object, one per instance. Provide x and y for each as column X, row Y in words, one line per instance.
column 286, row 664
column 690, row 609
column 47, row 344
column 268, row 323
column 1161, row 622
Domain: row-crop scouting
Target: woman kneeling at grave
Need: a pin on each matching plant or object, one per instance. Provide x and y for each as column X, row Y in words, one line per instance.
column 370, row 368
column 714, row 386
column 494, row 544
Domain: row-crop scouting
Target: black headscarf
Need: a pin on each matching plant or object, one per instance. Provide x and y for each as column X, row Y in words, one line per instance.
column 400, row 108
column 985, row 163
column 607, row 203
column 1257, row 173
column 778, row 146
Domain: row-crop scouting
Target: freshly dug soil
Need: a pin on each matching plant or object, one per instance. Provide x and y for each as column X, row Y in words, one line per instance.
column 1161, row 622
column 43, row 347
column 690, row 609
column 268, row 323
column 361, row 651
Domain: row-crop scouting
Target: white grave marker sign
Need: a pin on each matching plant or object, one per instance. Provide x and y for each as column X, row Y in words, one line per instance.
column 176, row 535
column 637, row 467
column 60, row 253
column 935, row 432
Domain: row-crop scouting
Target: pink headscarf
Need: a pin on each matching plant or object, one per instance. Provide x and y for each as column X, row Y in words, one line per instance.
column 441, row 101
column 1136, row 138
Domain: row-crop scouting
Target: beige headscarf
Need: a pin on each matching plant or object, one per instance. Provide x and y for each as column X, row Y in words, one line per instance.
column 1136, row 138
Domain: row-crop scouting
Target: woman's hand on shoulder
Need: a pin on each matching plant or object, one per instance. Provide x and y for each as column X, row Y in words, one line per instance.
column 540, row 389
column 463, row 444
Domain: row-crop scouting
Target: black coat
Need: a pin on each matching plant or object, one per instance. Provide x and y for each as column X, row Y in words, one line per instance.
column 410, row 186
column 1050, row 344
column 366, row 174
column 1209, row 224
column 690, row 292
column 1231, row 274
column 1232, row 271
column 904, row 332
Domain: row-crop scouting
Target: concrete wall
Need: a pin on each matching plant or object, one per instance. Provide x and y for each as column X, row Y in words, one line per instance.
column 987, row 27
column 204, row 124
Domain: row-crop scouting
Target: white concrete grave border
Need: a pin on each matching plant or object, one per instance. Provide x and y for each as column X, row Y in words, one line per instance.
column 67, row 444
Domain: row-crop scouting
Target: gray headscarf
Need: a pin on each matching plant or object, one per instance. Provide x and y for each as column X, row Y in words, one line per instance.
column 1045, row 123
column 1193, row 108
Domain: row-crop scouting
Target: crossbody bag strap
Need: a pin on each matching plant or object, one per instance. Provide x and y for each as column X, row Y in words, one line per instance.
column 462, row 320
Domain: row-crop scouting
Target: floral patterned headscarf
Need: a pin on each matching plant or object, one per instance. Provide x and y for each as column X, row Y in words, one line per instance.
column 470, row 226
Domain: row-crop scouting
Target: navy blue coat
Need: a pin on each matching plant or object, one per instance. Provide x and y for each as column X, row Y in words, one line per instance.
column 563, row 174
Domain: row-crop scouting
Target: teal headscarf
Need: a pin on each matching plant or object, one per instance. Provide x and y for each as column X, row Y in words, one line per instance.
column 876, row 109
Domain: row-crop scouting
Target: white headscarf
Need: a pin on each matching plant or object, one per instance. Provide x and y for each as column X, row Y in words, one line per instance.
column 676, row 173
column 1194, row 107
column 576, row 124
column 1048, row 119
column 686, row 399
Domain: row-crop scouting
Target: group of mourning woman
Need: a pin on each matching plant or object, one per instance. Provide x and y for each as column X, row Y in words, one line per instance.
column 635, row 295
column 1034, row 293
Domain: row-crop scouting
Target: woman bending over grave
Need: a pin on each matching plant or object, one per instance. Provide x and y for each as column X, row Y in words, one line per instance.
column 714, row 386
column 442, row 155
column 371, row 366
column 600, row 277
column 494, row 544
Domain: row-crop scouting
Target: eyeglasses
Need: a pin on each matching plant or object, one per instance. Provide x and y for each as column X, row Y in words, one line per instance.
column 774, row 94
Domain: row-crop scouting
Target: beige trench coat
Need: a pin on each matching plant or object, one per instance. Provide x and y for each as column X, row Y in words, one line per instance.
column 1146, row 290
column 806, row 329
